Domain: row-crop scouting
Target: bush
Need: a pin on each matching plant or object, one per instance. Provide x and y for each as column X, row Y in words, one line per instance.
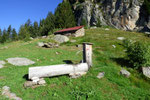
column 138, row 53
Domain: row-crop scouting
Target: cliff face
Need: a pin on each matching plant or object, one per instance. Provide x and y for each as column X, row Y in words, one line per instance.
column 121, row 14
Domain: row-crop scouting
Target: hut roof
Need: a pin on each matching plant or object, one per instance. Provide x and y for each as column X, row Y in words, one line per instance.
column 70, row 29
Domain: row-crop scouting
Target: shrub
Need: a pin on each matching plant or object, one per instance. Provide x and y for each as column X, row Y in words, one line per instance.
column 138, row 53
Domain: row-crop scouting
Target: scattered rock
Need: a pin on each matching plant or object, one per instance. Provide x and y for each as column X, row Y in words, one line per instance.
column 1, row 77
column 40, row 44
column 106, row 29
column 5, row 47
column 101, row 75
column 94, row 27
column 29, row 84
column 120, row 38
column 48, row 45
column 6, row 92
column 2, row 62
column 57, row 53
column 77, row 75
column 1, row 66
column 31, row 38
column 44, row 37
column 20, row 61
column 41, row 82
column 61, row 38
column 114, row 46
column 146, row 71
column 73, row 41
column 35, row 79
column 125, row 73
column 147, row 33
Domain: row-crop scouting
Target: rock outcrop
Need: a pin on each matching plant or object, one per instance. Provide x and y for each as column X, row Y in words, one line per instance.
column 121, row 14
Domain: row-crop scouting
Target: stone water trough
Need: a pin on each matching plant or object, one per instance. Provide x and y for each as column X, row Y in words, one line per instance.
column 64, row 69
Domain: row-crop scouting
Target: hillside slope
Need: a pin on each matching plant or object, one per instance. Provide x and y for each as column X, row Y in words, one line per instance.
column 105, row 58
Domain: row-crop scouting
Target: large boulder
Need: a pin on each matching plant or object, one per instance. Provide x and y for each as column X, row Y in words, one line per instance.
column 146, row 71
column 61, row 38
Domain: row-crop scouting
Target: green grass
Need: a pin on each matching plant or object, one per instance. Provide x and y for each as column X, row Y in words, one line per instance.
column 105, row 58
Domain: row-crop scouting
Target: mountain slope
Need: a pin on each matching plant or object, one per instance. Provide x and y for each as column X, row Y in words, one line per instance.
column 105, row 58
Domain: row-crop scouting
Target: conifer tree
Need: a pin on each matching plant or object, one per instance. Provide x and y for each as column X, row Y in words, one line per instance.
column 0, row 35
column 14, row 35
column 4, row 36
column 9, row 30
column 49, row 23
column 64, row 15
column 35, row 29
column 41, row 27
column 22, row 32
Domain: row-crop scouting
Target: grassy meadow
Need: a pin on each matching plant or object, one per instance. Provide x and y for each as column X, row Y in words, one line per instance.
column 105, row 58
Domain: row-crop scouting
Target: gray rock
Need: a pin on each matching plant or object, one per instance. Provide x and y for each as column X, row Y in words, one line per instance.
column 44, row 37
column 77, row 75
column 2, row 62
column 125, row 73
column 1, row 66
column 6, row 92
column 61, row 38
column 41, row 82
column 101, row 75
column 40, row 44
column 113, row 46
column 35, row 79
column 29, row 84
column 31, row 38
column 5, row 89
column 20, row 61
column 107, row 29
column 146, row 71
column 5, row 47
column 120, row 38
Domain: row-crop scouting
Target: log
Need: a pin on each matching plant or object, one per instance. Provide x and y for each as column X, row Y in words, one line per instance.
column 56, row 70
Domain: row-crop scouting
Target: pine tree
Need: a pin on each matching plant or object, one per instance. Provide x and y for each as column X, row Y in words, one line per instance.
column 41, row 27
column 23, row 32
column 49, row 23
column 0, row 35
column 4, row 36
column 64, row 15
column 9, row 30
column 14, row 35
column 35, row 29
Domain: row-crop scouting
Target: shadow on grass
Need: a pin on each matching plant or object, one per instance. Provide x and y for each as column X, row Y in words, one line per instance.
column 122, row 62
column 26, row 77
column 68, row 61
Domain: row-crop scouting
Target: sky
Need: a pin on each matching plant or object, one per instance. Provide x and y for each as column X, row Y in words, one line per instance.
column 17, row 12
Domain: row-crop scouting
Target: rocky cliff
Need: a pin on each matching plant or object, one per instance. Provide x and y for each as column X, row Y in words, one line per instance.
column 121, row 14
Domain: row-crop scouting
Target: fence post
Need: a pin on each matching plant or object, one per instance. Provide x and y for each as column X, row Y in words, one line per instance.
column 87, row 53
